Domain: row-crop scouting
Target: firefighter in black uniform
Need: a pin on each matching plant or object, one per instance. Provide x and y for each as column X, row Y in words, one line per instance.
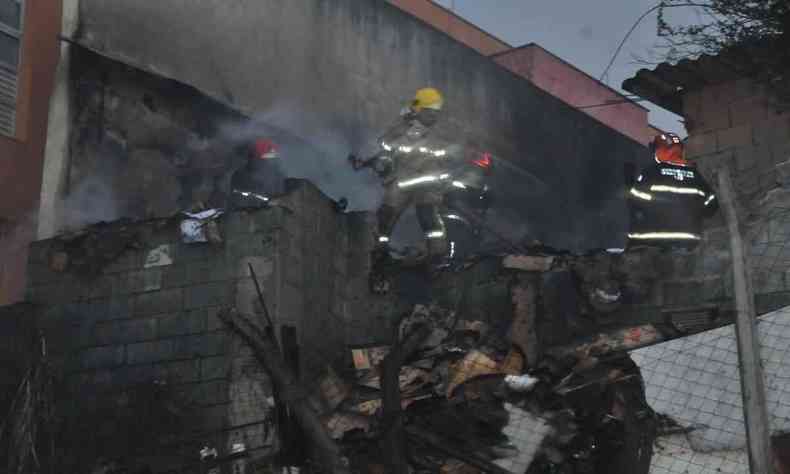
column 669, row 201
column 254, row 185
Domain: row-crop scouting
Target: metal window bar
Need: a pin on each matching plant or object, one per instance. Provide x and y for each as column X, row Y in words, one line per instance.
column 9, row 77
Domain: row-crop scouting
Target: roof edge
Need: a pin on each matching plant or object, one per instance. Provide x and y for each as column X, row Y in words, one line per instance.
column 572, row 66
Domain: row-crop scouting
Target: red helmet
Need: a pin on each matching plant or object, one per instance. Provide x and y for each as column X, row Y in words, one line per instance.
column 264, row 149
column 668, row 148
column 484, row 161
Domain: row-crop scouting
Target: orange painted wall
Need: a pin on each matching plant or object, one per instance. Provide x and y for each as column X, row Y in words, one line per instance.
column 455, row 26
column 22, row 158
column 576, row 88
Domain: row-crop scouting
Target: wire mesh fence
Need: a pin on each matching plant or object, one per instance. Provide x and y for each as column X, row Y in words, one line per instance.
column 695, row 380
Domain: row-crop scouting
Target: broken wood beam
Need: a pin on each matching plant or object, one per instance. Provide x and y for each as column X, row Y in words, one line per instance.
column 394, row 441
column 297, row 397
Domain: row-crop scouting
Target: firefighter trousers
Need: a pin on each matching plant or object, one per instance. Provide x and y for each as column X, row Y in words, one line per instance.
column 427, row 201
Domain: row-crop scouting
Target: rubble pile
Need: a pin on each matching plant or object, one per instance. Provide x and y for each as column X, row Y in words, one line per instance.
column 469, row 402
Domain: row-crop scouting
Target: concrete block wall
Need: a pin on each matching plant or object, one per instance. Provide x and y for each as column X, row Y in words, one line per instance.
column 139, row 320
column 737, row 124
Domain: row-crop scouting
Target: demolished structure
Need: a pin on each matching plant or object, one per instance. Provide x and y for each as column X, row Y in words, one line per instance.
column 164, row 348
column 259, row 344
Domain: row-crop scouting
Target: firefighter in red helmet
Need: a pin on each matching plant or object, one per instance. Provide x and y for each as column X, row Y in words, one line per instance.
column 254, row 184
column 670, row 201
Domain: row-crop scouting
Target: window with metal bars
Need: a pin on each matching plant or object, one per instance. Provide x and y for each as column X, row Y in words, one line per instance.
column 10, row 47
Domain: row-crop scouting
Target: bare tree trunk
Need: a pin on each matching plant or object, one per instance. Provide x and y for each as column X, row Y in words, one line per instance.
column 752, row 384
column 394, row 440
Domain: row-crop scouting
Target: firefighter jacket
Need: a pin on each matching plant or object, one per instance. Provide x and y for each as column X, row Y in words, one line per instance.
column 669, row 203
column 254, row 184
column 409, row 157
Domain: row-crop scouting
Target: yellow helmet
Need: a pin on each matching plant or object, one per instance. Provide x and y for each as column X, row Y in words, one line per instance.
column 427, row 98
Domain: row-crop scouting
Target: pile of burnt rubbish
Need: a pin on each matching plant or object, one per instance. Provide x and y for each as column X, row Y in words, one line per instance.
column 452, row 397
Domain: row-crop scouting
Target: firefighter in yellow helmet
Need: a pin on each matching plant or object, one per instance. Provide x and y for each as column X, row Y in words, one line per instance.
column 411, row 165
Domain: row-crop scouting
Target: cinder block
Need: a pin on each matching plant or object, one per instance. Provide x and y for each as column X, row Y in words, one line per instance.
column 780, row 152
column 184, row 371
column 772, row 130
column 768, row 180
column 749, row 110
column 206, row 271
column 213, row 323
column 128, row 260
column 182, row 323
column 174, row 276
column 203, row 345
column 201, row 251
column 692, row 102
column 215, row 367
column 118, row 307
column 102, row 286
column 293, row 270
column 102, row 357
column 750, row 157
column 41, row 274
column 141, row 281
column 152, row 351
column 682, row 292
column 212, row 393
column 213, row 418
column 125, row 331
column 291, row 305
column 208, row 294
column 783, row 173
column 38, row 252
column 734, row 137
column 158, row 302
column 178, row 372
column 713, row 116
column 100, row 310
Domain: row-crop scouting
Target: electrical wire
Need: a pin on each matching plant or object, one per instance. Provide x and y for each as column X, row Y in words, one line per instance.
column 633, row 27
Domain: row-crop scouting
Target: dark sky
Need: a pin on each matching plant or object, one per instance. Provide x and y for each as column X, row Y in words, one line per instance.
column 582, row 32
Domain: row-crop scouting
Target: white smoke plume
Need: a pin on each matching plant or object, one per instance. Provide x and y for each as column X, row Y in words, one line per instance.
column 90, row 201
column 314, row 151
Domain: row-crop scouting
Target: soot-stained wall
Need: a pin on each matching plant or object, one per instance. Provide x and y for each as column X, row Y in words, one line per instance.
column 147, row 323
column 336, row 72
column 143, row 146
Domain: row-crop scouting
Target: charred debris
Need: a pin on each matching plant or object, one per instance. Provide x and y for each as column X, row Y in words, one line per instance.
column 534, row 379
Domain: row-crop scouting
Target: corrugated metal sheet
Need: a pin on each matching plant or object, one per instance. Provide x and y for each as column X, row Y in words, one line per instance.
column 8, row 90
column 665, row 84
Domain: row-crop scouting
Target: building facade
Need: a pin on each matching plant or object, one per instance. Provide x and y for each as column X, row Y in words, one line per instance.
column 29, row 48
column 543, row 69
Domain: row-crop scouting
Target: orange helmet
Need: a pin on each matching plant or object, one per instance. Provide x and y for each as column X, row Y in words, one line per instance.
column 668, row 148
column 264, row 149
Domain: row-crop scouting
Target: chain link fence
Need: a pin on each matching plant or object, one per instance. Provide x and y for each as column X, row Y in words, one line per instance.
column 695, row 380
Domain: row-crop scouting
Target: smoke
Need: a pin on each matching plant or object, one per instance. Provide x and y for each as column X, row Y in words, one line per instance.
column 92, row 200
column 315, row 151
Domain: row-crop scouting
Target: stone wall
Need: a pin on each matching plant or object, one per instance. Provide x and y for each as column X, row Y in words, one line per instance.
column 149, row 317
